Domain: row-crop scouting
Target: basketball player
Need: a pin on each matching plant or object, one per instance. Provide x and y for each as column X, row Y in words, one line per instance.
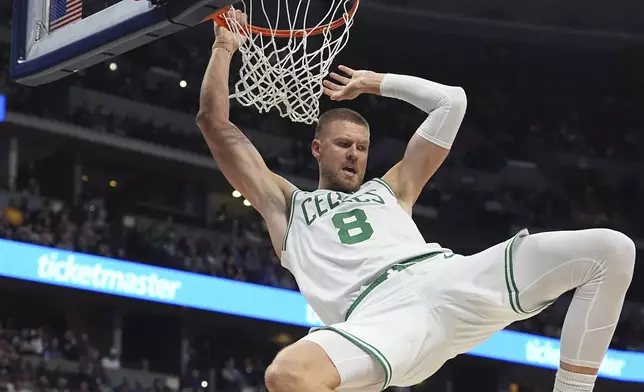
column 396, row 308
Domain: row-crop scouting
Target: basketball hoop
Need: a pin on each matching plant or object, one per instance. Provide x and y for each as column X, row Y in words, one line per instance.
column 284, row 68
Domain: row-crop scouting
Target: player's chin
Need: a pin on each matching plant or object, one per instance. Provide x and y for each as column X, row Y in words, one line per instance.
column 351, row 183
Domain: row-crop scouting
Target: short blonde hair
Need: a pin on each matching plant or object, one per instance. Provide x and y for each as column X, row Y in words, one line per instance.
column 341, row 114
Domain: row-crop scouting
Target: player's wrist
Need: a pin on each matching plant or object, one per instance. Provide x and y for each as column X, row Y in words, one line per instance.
column 226, row 46
column 371, row 82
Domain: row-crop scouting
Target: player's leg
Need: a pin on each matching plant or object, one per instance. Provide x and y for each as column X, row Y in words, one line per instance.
column 303, row 366
column 322, row 362
column 598, row 264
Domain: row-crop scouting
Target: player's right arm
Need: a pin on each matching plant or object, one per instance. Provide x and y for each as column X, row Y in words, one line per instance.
column 238, row 159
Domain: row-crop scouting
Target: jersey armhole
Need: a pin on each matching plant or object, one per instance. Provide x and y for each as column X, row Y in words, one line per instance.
column 384, row 183
column 290, row 218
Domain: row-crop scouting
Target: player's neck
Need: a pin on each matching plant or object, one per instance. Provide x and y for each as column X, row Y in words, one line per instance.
column 325, row 185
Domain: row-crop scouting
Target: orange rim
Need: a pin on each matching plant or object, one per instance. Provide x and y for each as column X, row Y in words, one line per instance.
column 221, row 21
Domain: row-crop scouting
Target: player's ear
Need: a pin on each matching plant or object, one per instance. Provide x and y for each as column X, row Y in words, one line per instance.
column 316, row 146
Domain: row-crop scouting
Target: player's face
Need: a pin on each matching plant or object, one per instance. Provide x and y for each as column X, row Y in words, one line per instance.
column 342, row 155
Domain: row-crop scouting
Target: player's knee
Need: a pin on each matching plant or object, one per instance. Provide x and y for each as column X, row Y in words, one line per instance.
column 283, row 376
column 299, row 366
column 618, row 251
column 287, row 371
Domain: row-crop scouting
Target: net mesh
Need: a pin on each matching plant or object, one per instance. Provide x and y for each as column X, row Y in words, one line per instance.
column 285, row 70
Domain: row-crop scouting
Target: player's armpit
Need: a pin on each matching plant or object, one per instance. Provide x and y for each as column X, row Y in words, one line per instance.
column 409, row 176
column 244, row 167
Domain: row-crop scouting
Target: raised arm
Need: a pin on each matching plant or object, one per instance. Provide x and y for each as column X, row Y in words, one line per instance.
column 238, row 159
column 431, row 143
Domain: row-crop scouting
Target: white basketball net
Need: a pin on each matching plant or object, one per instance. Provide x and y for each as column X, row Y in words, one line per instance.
column 287, row 72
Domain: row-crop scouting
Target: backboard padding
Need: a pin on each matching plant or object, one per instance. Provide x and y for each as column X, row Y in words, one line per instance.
column 147, row 23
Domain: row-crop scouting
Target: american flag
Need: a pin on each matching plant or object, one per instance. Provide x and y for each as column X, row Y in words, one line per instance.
column 64, row 12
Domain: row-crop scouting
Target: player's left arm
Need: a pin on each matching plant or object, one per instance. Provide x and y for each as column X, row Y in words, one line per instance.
column 430, row 145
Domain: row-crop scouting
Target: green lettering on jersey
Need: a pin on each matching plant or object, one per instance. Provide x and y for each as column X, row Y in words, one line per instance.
column 378, row 198
column 335, row 199
column 318, row 200
column 333, row 204
column 306, row 215
column 357, row 199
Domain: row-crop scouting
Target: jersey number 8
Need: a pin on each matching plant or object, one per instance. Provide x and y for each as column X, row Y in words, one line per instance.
column 352, row 226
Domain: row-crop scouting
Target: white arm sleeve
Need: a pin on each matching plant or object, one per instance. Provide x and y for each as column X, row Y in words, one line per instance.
column 446, row 105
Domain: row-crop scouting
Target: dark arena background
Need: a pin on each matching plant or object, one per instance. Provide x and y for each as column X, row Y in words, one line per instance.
column 129, row 264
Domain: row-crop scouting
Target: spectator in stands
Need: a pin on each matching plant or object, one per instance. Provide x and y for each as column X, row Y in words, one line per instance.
column 70, row 351
column 36, row 342
column 253, row 375
column 62, row 385
column 84, row 346
column 52, row 350
column 231, row 377
column 111, row 361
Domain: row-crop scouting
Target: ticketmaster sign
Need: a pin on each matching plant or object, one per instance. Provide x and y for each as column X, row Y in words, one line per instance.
column 148, row 283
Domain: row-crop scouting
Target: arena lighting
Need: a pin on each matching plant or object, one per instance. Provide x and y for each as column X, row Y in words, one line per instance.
column 105, row 275
column 113, row 184
column 236, row 194
column 247, row 203
column 204, row 384
column 183, row 84
column 113, row 67
column 283, row 339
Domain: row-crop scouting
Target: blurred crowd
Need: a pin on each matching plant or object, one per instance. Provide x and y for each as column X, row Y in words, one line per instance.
column 240, row 365
column 43, row 359
column 514, row 111
column 533, row 113
column 235, row 247
column 35, row 359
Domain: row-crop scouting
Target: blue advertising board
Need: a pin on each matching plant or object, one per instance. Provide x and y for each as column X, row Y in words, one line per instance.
column 150, row 283
column 3, row 107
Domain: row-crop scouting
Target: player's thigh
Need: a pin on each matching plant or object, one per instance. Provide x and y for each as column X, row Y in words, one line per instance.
column 543, row 266
column 356, row 370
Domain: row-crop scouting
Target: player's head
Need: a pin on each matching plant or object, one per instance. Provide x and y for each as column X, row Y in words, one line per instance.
column 341, row 147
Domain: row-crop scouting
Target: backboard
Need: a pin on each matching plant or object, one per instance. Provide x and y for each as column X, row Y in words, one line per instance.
column 52, row 39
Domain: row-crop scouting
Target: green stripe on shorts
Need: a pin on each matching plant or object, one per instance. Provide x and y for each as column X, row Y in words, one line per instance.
column 384, row 276
column 369, row 349
column 510, row 283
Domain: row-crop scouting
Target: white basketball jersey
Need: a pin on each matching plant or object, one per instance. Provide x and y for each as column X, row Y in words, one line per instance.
column 337, row 243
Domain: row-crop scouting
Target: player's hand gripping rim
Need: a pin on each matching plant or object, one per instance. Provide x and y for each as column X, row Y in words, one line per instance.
column 233, row 37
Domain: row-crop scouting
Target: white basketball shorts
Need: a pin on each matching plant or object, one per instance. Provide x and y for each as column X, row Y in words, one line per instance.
column 422, row 312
